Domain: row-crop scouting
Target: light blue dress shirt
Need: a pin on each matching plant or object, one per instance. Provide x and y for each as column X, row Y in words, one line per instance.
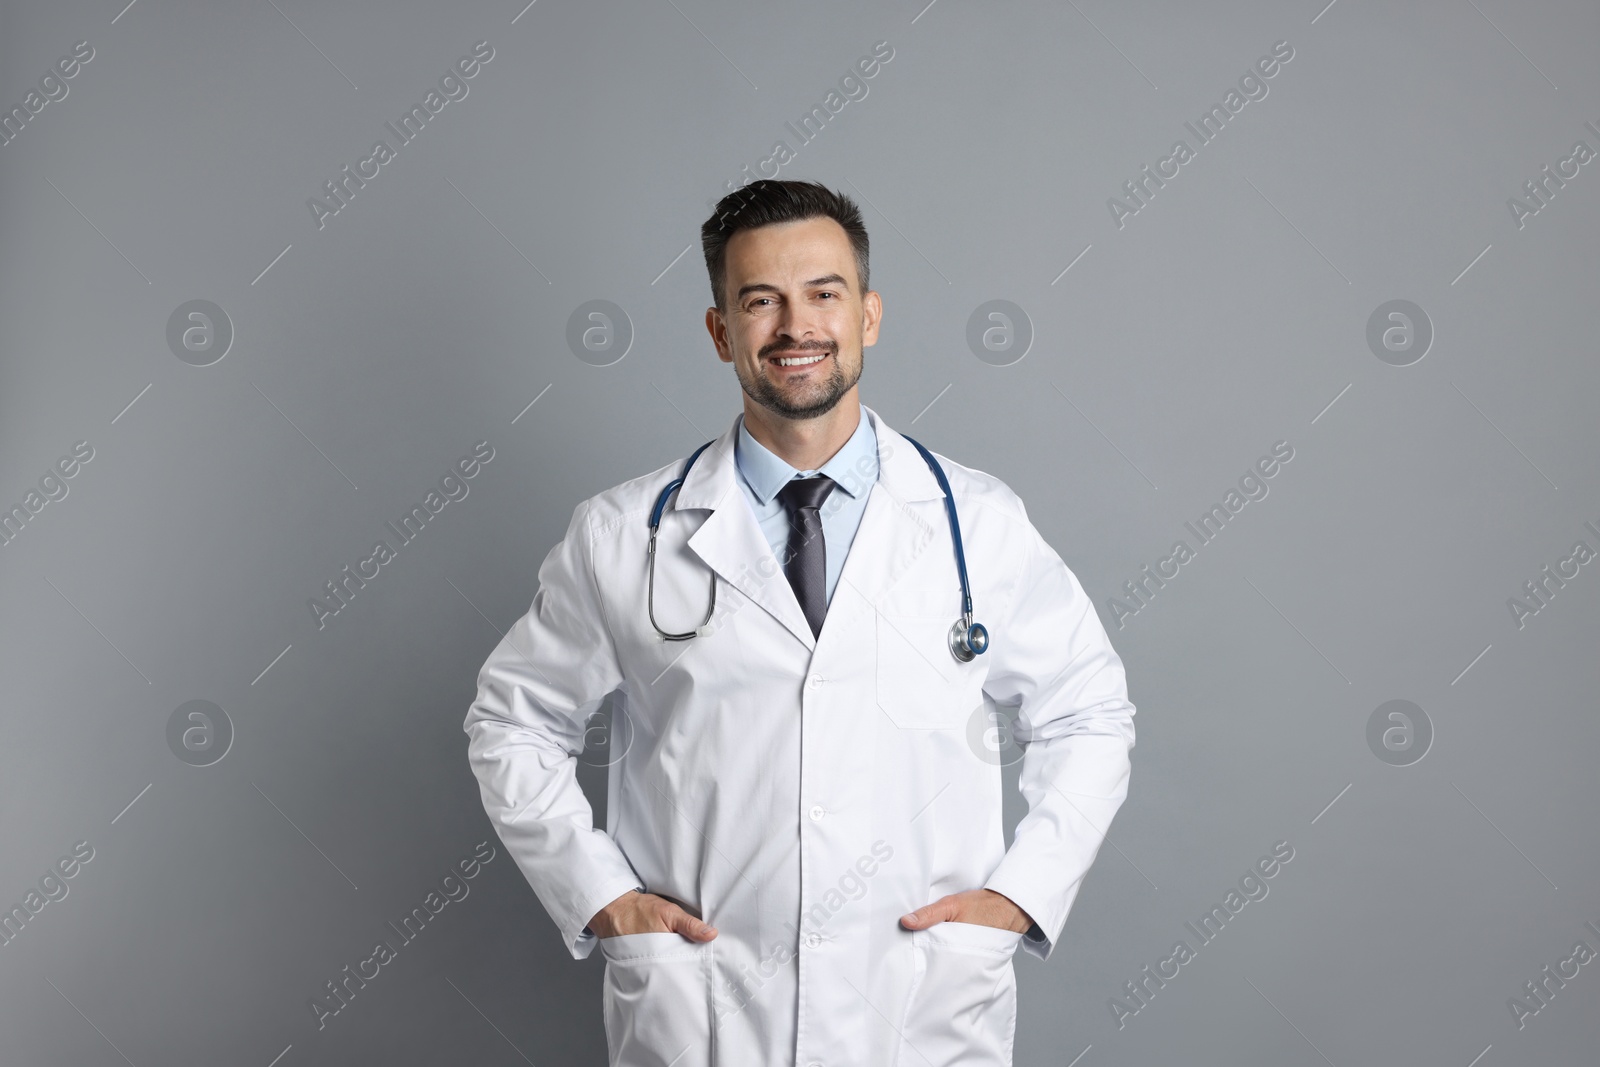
column 762, row 473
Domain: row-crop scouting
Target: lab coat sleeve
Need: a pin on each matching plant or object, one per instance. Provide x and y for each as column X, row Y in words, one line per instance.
column 526, row 728
column 1053, row 660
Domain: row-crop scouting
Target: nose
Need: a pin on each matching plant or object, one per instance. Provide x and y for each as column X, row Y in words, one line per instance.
column 795, row 324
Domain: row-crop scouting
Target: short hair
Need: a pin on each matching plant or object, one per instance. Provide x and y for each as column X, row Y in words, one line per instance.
column 767, row 201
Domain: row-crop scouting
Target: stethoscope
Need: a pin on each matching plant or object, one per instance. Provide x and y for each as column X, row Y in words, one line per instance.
column 967, row 638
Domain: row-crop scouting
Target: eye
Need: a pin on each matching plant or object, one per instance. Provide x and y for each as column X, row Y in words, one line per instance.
column 828, row 293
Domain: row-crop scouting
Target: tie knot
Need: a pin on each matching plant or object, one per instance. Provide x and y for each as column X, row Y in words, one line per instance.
column 805, row 493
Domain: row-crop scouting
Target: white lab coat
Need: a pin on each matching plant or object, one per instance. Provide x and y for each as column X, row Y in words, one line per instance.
column 802, row 794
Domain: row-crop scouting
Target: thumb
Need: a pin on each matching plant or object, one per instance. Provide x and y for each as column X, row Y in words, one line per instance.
column 941, row 910
column 688, row 926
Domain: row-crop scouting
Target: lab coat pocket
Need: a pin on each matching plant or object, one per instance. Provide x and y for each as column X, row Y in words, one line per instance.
column 963, row 1010
column 656, row 1000
column 920, row 685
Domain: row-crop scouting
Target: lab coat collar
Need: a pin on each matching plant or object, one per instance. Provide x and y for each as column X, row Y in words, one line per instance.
column 891, row 536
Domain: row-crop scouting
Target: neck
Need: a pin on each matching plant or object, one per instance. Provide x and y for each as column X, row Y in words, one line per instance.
column 805, row 444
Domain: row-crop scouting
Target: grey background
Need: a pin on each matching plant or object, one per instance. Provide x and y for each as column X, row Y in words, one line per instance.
column 1230, row 313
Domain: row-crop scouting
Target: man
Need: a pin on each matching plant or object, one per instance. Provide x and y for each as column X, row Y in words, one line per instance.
column 803, row 861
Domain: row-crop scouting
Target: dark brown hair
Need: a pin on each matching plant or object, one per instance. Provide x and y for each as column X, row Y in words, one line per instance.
column 767, row 201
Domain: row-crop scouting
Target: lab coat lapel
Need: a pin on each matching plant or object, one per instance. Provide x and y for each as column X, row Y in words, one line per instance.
column 894, row 530
column 731, row 542
column 897, row 525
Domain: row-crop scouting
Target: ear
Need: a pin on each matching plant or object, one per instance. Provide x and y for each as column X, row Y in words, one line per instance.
column 871, row 314
column 717, row 327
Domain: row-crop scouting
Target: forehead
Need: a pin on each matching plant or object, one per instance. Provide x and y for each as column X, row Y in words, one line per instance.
column 790, row 251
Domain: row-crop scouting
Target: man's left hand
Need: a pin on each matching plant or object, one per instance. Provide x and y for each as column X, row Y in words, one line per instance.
column 981, row 907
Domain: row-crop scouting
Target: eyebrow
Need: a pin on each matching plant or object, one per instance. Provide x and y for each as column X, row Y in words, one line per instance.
column 762, row 287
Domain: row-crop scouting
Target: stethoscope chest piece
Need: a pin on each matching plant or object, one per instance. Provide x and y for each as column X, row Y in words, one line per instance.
column 968, row 639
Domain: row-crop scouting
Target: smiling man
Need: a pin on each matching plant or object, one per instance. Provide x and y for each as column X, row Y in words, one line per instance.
column 804, row 861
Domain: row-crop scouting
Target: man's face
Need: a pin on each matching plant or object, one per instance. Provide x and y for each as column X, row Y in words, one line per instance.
column 792, row 292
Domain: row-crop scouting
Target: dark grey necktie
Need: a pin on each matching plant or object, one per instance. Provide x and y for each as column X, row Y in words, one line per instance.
column 806, row 563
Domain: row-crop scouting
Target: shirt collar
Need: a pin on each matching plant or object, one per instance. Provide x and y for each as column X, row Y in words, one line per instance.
column 853, row 468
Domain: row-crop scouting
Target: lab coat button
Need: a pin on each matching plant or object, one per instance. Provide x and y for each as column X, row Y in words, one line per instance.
column 814, row 940
column 817, row 813
column 814, row 681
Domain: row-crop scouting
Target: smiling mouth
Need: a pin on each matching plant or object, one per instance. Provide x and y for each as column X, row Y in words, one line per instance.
column 805, row 359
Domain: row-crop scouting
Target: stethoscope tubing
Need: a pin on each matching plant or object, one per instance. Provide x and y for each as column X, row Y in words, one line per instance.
column 967, row 638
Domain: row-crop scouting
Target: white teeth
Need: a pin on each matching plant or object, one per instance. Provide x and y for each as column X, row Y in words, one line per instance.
column 798, row 361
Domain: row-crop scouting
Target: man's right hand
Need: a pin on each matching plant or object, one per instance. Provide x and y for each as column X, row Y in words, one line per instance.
column 637, row 912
